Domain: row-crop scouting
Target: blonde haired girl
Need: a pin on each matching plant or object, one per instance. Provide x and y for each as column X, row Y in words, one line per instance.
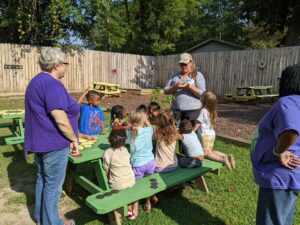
column 142, row 158
column 205, row 126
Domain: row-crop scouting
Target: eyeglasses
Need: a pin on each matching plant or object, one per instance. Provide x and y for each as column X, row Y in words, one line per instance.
column 65, row 63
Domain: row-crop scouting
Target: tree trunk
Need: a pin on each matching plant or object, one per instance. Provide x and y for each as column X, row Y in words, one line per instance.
column 293, row 34
column 127, row 12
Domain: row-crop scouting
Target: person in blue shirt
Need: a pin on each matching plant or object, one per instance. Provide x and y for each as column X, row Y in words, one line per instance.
column 91, row 116
column 142, row 158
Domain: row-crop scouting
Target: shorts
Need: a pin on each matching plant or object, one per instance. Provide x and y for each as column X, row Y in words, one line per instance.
column 189, row 162
column 207, row 141
column 165, row 170
column 144, row 170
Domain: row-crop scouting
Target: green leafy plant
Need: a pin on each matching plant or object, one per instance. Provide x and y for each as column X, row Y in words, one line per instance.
column 163, row 100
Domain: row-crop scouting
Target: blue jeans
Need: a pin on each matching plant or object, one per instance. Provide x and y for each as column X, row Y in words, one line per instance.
column 50, row 178
column 276, row 207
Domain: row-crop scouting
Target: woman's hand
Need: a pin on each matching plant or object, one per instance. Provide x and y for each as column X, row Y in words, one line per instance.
column 181, row 85
column 74, row 150
column 289, row 160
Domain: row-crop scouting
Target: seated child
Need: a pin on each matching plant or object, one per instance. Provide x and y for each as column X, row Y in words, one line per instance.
column 91, row 116
column 117, row 118
column 116, row 163
column 166, row 136
column 153, row 111
column 142, row 158
column 192, row 147
column 142, row 108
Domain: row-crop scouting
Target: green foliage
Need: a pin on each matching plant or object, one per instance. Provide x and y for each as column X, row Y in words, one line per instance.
column 260, row 39
column 149, row 27
column 163, row 100
column 38, row 22
column 108, row 30
column 276, row 22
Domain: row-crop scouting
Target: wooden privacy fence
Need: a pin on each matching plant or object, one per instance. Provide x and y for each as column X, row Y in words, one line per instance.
column 19, row 64
column 223, row 71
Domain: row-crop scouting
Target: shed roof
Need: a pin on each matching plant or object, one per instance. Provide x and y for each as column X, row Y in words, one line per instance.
column 215, row 40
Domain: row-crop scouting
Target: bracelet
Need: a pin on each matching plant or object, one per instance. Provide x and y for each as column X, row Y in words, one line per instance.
column 276, row 153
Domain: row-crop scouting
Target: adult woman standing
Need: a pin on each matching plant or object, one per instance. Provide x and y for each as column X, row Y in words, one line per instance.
column 275, row 156
column 187, row 86
column 51, row 118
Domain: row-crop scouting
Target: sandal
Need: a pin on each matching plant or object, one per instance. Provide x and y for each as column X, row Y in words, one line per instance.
column 131, row 215
column 69, row 222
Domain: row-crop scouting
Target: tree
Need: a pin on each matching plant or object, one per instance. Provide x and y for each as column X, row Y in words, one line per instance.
column 38, row 22
column 276, row 16
column 211, row 19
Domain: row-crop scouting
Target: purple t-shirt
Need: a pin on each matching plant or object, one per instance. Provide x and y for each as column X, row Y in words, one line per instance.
column 43, row 95
column 268, row 172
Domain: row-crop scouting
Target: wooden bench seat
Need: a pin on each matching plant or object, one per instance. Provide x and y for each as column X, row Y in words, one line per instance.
column 267, row 96
column 105, row 202
column 228, row 95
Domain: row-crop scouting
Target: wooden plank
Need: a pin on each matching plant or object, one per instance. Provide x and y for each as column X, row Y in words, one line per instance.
column 147, row 187
column 223, row 70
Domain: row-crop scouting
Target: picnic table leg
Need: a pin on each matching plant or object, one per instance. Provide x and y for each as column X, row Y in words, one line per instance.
column 201, row 184
column 115, row 217
column 101, row 175
column 217, row 171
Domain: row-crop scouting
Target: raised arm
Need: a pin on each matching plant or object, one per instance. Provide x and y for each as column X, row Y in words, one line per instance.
column 80, row 99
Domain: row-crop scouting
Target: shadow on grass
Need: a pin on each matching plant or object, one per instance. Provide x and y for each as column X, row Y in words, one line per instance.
column 183, row 211
column 83, row 214
column 21, row 175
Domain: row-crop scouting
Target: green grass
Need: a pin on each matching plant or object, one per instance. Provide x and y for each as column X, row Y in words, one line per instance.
column 231, row 201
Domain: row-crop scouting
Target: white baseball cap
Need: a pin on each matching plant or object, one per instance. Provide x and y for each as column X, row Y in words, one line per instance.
column 185, row 58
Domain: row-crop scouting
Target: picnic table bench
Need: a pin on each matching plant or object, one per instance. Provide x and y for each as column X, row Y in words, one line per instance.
column 16, row 116
column 104, row 200
column 107, row 88
column 248, row 93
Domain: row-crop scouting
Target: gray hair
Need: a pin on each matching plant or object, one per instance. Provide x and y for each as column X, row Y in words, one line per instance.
column 50, row 57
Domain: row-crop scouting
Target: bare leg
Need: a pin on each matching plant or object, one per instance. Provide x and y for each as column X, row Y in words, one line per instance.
column 154, row 199
column 147, row 206
column 221, row 154
column 136, row 207
column 209, row 154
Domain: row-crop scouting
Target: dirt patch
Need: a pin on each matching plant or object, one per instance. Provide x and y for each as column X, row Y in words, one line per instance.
column 234, row 119
column 13, row 210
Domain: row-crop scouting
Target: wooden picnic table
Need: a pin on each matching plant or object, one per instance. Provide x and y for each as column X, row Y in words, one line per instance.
column 17, row 116
column 93, row 157
column 247, row 93
column 107, row 88
column 103, row 200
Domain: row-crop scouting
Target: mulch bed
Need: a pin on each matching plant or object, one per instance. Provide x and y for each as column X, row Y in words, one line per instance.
column 237, row 120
